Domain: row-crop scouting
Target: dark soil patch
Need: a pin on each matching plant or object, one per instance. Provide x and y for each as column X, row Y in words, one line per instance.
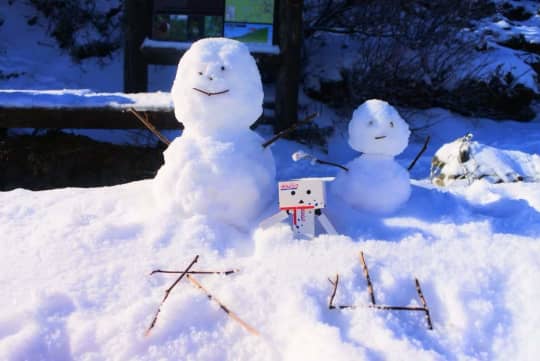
column 520, row 43
column 518, row 13
column 58, row 160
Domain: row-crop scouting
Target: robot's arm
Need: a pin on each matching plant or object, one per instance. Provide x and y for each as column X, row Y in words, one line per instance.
column 276, row 218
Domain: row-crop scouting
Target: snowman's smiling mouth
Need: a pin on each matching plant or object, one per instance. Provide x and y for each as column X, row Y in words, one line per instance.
column 211, row 93
column 380, row 137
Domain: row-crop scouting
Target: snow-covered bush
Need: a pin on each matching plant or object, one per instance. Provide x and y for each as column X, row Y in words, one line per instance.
column 84, row 28
column 465, row 161
column 416, row 53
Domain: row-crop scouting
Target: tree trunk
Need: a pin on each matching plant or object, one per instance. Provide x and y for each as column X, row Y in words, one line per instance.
column 137, row 25
column 290, row 42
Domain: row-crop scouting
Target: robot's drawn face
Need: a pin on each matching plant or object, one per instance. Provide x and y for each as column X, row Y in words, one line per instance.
column 300, row 193
column 377, row 128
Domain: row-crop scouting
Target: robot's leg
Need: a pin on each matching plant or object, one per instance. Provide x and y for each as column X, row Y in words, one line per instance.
column 304, row 224
column 327, row 225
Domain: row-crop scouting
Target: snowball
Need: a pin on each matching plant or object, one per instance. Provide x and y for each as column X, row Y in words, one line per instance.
column 377, row 128
column 376, row 184
column 298, row 155
column 228, row 181
column 218, row 88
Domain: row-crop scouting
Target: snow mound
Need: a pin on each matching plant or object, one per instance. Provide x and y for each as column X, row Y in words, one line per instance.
column 465, row 161
column 227, row 181
column 373, row 184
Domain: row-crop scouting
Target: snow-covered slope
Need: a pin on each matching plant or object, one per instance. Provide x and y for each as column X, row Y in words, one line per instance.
column 75, row 281
column 74, row 274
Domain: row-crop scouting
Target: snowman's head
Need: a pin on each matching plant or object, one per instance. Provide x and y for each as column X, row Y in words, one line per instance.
column 377, row 128
column 217, row 89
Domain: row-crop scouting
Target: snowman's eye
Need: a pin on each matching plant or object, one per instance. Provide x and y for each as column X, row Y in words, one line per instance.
column 391, row 124
column 222, row 68
column 200, row 73
column 370, row 123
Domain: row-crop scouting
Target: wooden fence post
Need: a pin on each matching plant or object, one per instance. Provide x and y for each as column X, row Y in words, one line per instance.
column 290, row 42
column 137, row 25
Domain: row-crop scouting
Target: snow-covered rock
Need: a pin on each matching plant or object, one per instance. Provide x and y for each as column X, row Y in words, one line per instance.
column 466, row 161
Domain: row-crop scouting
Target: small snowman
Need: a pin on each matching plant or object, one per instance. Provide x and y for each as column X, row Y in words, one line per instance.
column 218, row 166
column 375, row 182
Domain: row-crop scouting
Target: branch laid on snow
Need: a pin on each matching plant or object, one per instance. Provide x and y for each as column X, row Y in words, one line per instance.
column 149, row 125
column 334, row 290
column 229, row 313
column 424, row 303
column 373, row 305
column 293, row 127
column 167, row 292
column 226, row 273
column 424, row 147
column 368, row 279
column 300, row 154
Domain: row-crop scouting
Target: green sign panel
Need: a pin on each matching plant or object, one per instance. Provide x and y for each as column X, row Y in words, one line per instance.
column 186, row 20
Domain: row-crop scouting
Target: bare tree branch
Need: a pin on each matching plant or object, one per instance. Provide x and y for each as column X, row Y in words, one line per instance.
column 225, row 309
column 167, row 292
column 149, row 125
column 424, row 147
column 226, row 273
column 424, row 303
column 368, row 279
column 334, row 290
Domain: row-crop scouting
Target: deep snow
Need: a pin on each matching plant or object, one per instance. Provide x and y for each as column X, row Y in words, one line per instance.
column 75, row 283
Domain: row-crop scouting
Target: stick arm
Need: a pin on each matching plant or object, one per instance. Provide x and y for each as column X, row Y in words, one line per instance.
column 276, row 218
column 327, row 225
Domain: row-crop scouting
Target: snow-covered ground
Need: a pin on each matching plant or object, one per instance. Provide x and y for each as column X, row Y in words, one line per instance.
column 75, row 283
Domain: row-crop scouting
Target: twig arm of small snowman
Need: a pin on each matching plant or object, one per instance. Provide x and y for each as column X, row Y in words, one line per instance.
column 284, row 132
column 424, row 147
column 298, row 155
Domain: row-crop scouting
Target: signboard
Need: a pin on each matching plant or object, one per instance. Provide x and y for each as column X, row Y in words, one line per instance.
column 194, row 7
column 189, row 20
column 249, row 20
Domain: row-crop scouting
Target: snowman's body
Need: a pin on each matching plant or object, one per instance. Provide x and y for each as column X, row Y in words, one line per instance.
column 218, row 166
column 375, row 182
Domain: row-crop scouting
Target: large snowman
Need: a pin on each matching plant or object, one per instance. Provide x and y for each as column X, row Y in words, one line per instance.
column 217, row 167
column 375, row 182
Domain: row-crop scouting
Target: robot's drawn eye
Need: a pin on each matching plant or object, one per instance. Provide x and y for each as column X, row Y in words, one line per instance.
column 200, row 73
column 308, row 191
column 293, row 193
column 222, row 68
column 391, row 124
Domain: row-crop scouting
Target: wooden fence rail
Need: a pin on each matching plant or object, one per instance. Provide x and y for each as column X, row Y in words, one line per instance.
column 82, row 118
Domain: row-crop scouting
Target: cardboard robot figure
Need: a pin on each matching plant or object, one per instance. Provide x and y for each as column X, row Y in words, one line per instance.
column 303, row 199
